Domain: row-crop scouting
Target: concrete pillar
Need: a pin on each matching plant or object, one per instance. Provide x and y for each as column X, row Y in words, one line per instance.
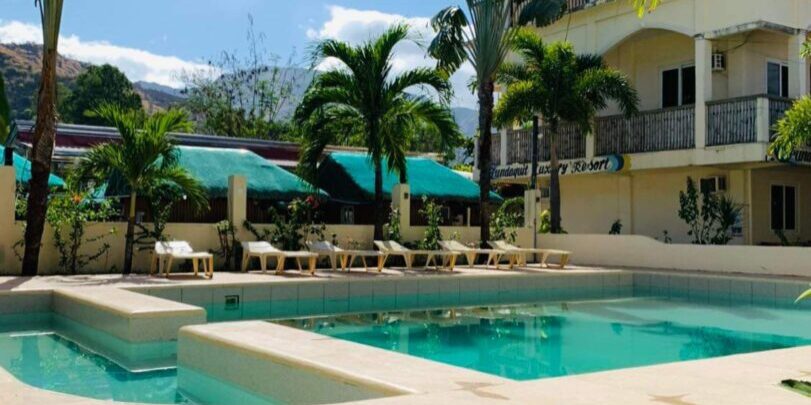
column 8, row 232
column 401, row 200
column 532, row 207
column 762, row 120
column 625, row 203
column 737, row 190
column 476, row 170
column 798, row 66
column 703, row 48
column 237, row 200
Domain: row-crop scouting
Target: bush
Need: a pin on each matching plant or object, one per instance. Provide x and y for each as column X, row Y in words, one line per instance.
column 433, row 215
column 508, row 216
column 709, row 216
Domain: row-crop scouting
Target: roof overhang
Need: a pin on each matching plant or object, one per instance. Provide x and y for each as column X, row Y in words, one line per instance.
column 751, row 26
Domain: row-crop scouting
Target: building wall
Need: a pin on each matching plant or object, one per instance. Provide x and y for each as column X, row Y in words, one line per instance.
column 646, row 202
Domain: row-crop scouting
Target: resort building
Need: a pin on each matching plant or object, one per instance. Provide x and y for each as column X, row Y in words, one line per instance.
column 713, row 78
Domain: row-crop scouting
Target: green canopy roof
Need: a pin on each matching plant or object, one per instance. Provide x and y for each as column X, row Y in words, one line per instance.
column 22, row 168
column 213, row 166
column 350, row 177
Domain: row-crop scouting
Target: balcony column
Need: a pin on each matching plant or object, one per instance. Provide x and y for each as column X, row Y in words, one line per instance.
column 798, row 66
column 591, row 140
column 503, row 149
column 703, row 88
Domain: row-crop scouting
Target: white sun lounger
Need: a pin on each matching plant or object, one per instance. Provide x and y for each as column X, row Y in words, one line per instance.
column 166, row 252
column 520, row 257
column 391, row 248
column 264, row 250
column 493, row 255
column 344, row 256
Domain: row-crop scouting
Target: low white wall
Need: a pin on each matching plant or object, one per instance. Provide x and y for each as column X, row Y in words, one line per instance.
column 643, row 252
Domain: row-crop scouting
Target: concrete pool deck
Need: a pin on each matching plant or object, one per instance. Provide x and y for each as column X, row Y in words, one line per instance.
column 739, row 379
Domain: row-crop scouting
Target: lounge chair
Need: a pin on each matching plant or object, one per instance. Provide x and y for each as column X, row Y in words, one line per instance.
column 264, row 250
column 391, row 248
column 520, row 254
column 344, row 256
column 493, row 255
column 166, row 252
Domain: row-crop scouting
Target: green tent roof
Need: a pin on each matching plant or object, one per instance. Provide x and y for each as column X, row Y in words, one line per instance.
column 213, row 166
column 22, row 168
column 349, row 177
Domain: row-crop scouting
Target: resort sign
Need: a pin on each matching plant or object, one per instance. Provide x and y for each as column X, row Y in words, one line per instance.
column 603, row 164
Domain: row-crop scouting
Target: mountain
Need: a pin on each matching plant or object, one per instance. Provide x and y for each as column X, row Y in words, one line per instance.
column 157, row 97
column 467, row 119
column 20, row 66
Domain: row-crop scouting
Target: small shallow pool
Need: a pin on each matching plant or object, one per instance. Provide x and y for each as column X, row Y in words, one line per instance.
column 525, row 342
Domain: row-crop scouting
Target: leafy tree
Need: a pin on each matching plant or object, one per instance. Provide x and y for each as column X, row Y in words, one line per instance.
column 44, row 136
column 508, row 217
column 248, row 97
column 68, row 213
column 364, row 100
column 482, row 37
column 432, row 211
column 794, row 130
column 709, row 216
column 94, row 87
column 146, row 159
column 560, row 86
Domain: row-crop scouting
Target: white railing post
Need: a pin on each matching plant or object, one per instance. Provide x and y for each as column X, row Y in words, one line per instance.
column 504, row 144
column 237, row 200
column 762, row 120
column 401, row 200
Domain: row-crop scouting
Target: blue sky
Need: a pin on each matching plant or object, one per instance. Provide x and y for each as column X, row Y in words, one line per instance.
column 146, row 38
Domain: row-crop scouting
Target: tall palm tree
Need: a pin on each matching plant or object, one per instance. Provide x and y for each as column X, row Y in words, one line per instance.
column 363, row 100
column 44, row 135
column 562, row 87
column 146, row 159
column 482, row 37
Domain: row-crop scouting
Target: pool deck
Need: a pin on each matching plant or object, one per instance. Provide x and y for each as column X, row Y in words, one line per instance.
column 740, row 379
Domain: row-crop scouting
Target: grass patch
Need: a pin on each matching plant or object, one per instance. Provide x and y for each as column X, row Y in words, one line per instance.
column 802, row 387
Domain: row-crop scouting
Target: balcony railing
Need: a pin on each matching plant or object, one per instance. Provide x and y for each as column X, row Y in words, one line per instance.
column 650, row 131
column 570, row 142
column 735, row 121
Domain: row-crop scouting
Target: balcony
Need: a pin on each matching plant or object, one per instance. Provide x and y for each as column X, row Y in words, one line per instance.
column 734, row 121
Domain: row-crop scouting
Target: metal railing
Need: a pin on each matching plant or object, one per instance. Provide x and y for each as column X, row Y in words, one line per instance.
column 570, row 142
column 649, row 131
column 732, row 121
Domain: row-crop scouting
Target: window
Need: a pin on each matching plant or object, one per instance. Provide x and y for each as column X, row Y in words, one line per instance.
column 709, row 185
column 679, row 86
column 784, row 208
column 777, row 79
column 348, row 215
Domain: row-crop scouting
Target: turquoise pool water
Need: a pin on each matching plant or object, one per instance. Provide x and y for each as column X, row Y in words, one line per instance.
column 525, row 342
column 34, row 348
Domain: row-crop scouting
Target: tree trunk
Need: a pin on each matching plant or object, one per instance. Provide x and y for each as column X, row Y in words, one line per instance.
column 485, row 94
column 380, row 208
column 554, row 191
column 130, row 238
column 42, row 152
column 533, row 177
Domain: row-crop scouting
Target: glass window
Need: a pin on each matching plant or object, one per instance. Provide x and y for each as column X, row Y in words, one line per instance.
column 784, row 208
column 777, row 79
column 688, row 85
column 670, row 88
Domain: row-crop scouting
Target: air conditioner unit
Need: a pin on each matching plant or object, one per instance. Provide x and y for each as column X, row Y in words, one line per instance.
column 719, row 62
column 714, row 184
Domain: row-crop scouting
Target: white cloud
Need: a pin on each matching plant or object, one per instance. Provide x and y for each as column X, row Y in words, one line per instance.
column 356, row 26
column 137, row 64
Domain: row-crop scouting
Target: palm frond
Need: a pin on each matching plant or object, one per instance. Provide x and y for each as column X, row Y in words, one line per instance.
column 516, row 104
column 601, row 85
column 448, row 46
column 420, row 77
column 540, row 12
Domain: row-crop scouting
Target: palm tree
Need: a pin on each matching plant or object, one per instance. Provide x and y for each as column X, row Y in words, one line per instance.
column 146, row 159
column 363, row 100
column 642, row 6
column 562, row 87
column 482, row 37
column 5, row 123
column 44, row 135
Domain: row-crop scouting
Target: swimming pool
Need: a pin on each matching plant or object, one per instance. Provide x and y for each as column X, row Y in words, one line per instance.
column 525, row 342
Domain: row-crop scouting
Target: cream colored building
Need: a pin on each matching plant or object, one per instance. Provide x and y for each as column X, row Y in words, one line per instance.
column 713, row 76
